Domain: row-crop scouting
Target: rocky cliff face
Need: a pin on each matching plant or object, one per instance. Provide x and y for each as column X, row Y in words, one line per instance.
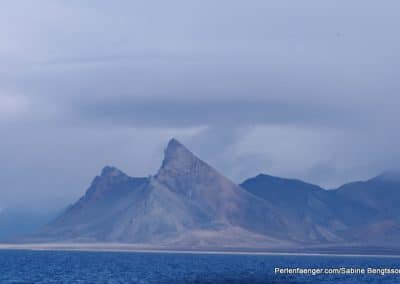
column 200, row 186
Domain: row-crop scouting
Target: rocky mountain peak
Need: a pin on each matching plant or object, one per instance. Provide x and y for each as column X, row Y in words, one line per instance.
column 177, row 157
column 109, row 171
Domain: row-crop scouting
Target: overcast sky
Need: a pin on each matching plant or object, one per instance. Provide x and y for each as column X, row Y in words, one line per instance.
column 304, row 89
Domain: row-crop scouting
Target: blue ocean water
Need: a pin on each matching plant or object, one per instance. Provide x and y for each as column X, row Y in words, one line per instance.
column 126, row 267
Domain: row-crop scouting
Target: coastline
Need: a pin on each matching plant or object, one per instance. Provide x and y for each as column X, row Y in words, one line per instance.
column 129, row 248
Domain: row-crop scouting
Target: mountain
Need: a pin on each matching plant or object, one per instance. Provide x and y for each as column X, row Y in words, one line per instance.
column 317, row 214
column 364, row 213
column 93, row 217
column 382, row 195
column 186, row 202
column 381, row 192
column 281, row 191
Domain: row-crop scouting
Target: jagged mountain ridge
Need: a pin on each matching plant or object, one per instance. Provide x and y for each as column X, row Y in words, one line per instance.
column 188, row 203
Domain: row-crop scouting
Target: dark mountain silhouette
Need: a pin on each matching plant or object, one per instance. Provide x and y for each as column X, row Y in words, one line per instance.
column 382, row 195
column 322, row 215
column 381, row 192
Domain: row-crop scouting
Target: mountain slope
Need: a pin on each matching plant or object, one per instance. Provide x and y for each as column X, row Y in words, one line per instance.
column 202, row 187
column 92, row 217
column 186, row 203
column 382, row 195
column 317, row 214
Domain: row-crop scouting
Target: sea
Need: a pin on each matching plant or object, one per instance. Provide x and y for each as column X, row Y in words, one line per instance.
column 28, row 266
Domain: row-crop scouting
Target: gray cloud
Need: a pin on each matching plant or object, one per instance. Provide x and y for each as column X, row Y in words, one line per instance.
column 306, row 89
